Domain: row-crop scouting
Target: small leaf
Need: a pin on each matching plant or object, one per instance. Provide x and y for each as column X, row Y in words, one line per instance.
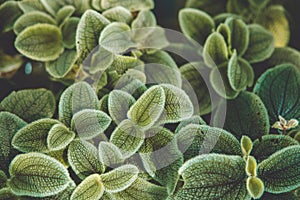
column 63, row 65
column 83, row 158
column 101, row 60
column 261, row 44
column 89, row 123
column 136, row 6
column 89, row 28
column 251, row 166
column 77, row 97
column 59, row 137
column 64, row 14
column 9, row 13
column 119, row 103
column 30, row 104
column 41, row 42
column 118, row 14
column 246, row 145
column 33, row 137
column 215, row 50
column 196, row 24
column 279, row 90
column 69, row 32
column 255, row 187
column 213, row 176
column 120, row 178
column 51, row 6
column 278, row 172
column 121, row 64
column 109, row 154
column 37, row 175
column 90, row 188
column 148, row 108
column 196, row 119
column 246, row 115
column 144, row 19
column 30, row 19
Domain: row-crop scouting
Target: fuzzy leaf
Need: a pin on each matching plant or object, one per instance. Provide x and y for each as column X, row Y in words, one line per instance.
column 90, row 188
column 77, row 97
column 41, row 42
column 284, row 55
column 109, row 154
column 195, row 119
column 144, row 19
column 59, row 137
column 51, row 6
column 30, row 104
column 261, row 44
column 89, row 28
column 89, row 123
column 101, row 60
column 136, row 5
column 9, row 13
column 196, row 24
column 279, row 173
column 279, row 90
column 33, row 137
column 119, row 14
column 32, row 18
column 69, row 32
column 148, row 108
column 37, row 175
column 282, row 196
column 64, row 14
column 246, row 115
column 31, row 5
column 120, row 178
column 83, row 158
column 63, row 65
column 255, row 187
column 213, row 176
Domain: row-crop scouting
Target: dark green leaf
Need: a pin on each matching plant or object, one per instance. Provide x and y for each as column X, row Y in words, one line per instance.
column 64, row 14
column 69, row 32
column 195, row 119
column 9, row 13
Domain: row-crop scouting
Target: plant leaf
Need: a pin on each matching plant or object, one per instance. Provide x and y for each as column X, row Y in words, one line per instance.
column 136, row 6
column 3, row 179
column 37, row 175
column 90, row 188
column 148, row 108
column 33, row 137
column 195, row 119
column 31, row 5
column 41, row 42
column 261, row 44
column 10, row 11
column 282, row 196
column 59, row 137
column 6, row 194
column 30, row 19
column 246, row 115
column 284, row 55
column 64, row 14
column 212, row 7
column 120, row 178
column 145, row 18
column 109, row 154
column 69, row 32
column 77, row 97
column 30, row 104
column 52, row 6
column 279, row 90
column 213, row 176
column 101, row 60
column 119, row 14
column 83, row 158
column 89, row 28
column 278, row 172
column 196, row 24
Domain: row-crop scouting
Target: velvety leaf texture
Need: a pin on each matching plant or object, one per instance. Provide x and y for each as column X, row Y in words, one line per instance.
column 109, row 154
column 136, row 6
column 59, row 137
column 119, row 14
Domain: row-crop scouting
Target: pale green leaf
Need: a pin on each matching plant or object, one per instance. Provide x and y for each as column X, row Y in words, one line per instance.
column 224, row 30
column 213, row 176
column 154, row 38
column 69, row 32
column 64, row 14
column 30, row 104
column 77, row 97
column 31, row 5
column 33, row 137
column 144, row 19
column 118, row 14
column 101, row 60
column 279, row 173
column 255, row 187
column 30, row 19
column 135, row 5
column 63, row 65
column 134, row 87
column 9, row 13
column 83, row 158
column 195, row 119
column 89, row 28
column 109, row 154
column 90, row 188
column 122, row 64
column 37, row 175
column 148, row 108
column 41, row 42
column 120, row 178
column 81, row 6
column 59, row 137
column 52, row 6
column 160, row 57
column 196, row 24
column 261, row 44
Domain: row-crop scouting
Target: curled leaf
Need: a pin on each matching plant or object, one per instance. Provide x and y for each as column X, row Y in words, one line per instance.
column 255, row 187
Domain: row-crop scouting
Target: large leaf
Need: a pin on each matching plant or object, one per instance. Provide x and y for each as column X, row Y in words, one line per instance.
column 213, row 176
column 246, row 115
column 90, row 188
column 33, row 137
column 77, row 97
column 89, row 123
column 148, row 108
column 59, row 137
column 37, row 175
column 261, row 44
column 279, row 173
column 196, row 24
column 279, row 90
column 119, row 14
column 137, row 5
column 89, row 28
column 120, row 178
column 31, row 104
column 9, row 125
column 109, row 154
column 128, row 137
column 83, row 158
column 41, row 42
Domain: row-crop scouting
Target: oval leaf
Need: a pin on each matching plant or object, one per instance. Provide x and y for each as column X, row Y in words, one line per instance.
column 136, row 6
column 119, row 14
column 69, row 32
column 109, row 154
column 59, row 137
